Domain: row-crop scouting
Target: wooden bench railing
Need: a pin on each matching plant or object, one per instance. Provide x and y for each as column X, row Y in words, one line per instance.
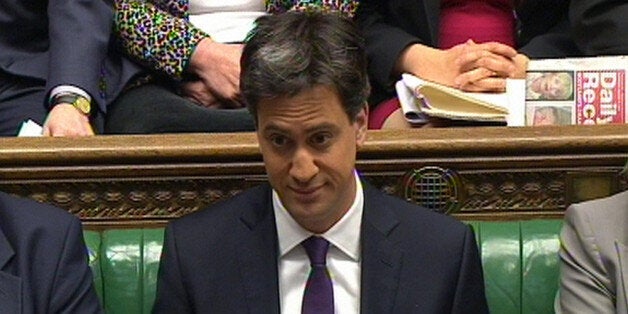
column 472, row 173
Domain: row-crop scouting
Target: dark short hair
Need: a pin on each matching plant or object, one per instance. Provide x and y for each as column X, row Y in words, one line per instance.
column 288, row 53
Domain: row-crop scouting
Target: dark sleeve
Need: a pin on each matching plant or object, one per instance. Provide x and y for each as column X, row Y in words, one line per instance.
column 600, row 26
column 79, row 32
column 544, row 29
column 470, row 296
column 384, row 41
column 171, row 296
column 555, row 43
column 73, row 281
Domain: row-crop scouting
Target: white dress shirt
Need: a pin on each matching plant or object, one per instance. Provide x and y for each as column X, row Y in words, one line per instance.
column 226, row 21
column 343, row 257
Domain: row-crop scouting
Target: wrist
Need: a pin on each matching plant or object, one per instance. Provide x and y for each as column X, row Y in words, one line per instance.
column 200, row 55
column 416, row 59
column 79, row 102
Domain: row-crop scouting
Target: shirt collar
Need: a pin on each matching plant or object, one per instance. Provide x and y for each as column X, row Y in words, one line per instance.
column 345, row 234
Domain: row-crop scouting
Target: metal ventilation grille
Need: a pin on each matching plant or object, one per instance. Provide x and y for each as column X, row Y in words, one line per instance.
column 432, row 187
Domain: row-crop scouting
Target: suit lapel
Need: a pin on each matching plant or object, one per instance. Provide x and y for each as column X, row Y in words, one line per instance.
column 257, row 253
column 432, row 12
column 10, row 285
column 622, row 291
column 381, row 260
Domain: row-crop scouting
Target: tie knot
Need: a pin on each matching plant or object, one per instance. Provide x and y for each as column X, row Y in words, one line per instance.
column 316, row 248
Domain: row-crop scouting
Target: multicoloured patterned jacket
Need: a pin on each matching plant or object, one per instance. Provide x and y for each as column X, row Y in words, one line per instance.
column 157, row 33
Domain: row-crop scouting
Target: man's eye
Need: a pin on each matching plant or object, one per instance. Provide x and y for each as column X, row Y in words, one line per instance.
column 321, row 139
column 278, row 140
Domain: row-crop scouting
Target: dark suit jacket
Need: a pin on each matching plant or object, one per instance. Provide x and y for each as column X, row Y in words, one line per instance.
column 389, row 26
column 43, row 260
column 59, row 42
column 224, row 259
column 600, row 26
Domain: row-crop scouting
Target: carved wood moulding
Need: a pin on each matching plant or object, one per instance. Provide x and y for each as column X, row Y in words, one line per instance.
column 472, row 173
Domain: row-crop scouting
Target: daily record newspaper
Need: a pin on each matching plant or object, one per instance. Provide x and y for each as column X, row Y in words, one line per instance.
column 576, row 91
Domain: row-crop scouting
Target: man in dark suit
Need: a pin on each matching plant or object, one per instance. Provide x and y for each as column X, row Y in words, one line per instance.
column 51, row 65
column 43, row 260
column 600, row 26
column 408, row 36
column 304, row 80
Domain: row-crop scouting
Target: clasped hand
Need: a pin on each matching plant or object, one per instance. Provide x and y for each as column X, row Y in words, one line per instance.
column 485, row 67
column 468, row 66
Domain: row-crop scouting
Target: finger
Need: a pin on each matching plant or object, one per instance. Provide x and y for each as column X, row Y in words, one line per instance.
column 191, row 87
column 496, row 48
column 46, row 131
column 472, row 76
column 482, row 58
column 491, row 84
column 87, row 129
column 501, row 66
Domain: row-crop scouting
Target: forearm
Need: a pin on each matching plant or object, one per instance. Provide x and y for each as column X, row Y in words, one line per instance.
column 385, row 42
column 419, row 60
column 156, row 38
column 79, row 33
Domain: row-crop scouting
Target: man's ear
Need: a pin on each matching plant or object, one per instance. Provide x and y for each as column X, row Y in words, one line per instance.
column 361, row 123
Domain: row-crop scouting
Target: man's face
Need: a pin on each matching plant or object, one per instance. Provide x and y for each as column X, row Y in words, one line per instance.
column 549, row 85
column 309, row 149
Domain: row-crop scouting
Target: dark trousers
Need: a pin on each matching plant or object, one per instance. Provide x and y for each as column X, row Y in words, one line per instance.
column 20, row 99
column 152, row 108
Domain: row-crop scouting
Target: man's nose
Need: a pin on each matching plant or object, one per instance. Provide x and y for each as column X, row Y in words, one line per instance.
column 303, row 168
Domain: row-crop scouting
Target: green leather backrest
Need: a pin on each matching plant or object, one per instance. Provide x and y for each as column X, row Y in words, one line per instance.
column 519, row 258
column 520, row 262
column 125, row 264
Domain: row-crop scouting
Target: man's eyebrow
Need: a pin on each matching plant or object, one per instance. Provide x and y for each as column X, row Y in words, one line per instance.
column 322, row 127
column 272, row 127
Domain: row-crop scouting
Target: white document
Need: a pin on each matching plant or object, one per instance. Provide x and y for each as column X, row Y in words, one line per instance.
column 30, row 128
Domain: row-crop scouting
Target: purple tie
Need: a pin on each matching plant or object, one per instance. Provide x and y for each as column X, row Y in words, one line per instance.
column 318, row 297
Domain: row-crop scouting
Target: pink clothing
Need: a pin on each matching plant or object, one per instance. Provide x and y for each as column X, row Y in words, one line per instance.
column 381, row 112
column 461, row 20
column 480, row 20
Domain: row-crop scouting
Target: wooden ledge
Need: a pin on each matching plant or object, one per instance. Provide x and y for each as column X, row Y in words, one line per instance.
column 435, row 142
column 472, row 173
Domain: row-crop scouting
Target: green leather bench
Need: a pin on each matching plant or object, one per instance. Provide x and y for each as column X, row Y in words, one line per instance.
column 519, row 258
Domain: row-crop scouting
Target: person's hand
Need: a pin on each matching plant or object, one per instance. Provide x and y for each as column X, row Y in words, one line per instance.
column 218, row 67
column 65, row 120
column 430, row 64
column 485, row 67
column 197, row 92
column 468, row 66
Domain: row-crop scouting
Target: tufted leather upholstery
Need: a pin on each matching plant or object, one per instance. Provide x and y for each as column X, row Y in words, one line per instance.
column 519, row 257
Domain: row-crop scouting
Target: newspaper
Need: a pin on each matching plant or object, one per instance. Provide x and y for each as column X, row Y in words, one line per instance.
column 420, row 99
column 578, row 91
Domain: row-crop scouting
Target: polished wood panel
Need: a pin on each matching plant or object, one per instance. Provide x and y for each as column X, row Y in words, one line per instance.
column 471, row 173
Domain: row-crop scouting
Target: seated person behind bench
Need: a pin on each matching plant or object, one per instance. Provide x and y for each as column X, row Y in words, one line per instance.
column 50, row 62
column 431, row 39
column 594, row 257
column 43, row 260
column 192, row 50
column 304, row 80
